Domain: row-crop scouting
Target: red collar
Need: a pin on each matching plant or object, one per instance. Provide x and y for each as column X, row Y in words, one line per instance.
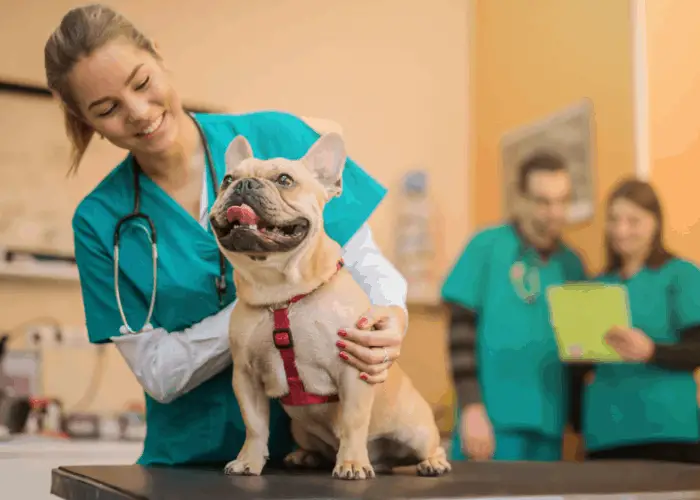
column 282, row 338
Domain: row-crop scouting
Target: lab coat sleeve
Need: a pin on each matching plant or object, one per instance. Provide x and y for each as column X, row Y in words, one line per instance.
column 168, row 365
column 380, row 280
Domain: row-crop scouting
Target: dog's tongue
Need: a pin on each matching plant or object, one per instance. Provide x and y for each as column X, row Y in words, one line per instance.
column 243, row 213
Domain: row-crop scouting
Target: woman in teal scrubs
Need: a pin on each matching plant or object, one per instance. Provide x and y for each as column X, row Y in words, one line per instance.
column 646, row 407
column 111, row 82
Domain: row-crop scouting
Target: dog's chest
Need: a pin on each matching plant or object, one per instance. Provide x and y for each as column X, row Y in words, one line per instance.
column 313, row 334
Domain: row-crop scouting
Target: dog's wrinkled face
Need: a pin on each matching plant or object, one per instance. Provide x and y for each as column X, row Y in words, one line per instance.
column 275, row 205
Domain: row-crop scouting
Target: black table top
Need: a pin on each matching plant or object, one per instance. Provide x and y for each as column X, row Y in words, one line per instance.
column 467, row 480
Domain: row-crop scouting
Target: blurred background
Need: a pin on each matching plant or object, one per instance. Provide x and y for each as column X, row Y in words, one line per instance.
column 426, row 94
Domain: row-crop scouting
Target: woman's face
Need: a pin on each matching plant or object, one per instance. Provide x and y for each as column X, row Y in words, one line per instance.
column 125, row 94
column 630, row 228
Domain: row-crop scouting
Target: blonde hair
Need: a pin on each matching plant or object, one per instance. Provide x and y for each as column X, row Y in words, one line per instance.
column 82, row 31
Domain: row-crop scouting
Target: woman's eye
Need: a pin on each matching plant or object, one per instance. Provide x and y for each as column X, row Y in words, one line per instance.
column 108, row 112
column 285, row 180
column 143, row 84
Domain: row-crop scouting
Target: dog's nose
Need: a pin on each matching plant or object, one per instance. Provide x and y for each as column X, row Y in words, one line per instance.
column 247, row 185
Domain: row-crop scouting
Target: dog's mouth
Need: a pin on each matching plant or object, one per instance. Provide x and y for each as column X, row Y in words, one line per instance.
column 244, row 230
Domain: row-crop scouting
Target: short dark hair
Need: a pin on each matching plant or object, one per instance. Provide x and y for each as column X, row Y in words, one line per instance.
column 541, row 161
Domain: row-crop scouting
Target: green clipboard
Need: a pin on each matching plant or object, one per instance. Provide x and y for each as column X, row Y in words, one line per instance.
column 581, row 314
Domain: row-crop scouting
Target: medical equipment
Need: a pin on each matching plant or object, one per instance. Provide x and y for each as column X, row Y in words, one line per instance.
column 219, row 281
column 525, row 280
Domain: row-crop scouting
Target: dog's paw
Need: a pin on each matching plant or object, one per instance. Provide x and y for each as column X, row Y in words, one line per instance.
column 303, row 459
column 434, row 466
column 244, row 466
column 353, row 470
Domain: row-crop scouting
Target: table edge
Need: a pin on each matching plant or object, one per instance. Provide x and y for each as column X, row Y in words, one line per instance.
column 60, row 477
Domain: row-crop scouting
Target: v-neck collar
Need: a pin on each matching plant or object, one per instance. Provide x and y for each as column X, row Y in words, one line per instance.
column 149, row 186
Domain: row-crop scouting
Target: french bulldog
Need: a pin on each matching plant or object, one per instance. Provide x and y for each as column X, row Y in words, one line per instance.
column 293, row 297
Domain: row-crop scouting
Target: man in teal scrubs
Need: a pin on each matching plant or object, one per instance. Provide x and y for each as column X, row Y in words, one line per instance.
column 512, row 389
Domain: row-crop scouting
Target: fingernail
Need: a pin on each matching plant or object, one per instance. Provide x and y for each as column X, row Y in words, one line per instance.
column 364, row 377
column 342, row 333
column 343, row 355
column 340, row 344
column 362, row 322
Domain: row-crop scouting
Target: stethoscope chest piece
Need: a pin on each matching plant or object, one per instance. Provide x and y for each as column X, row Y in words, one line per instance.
column 526, row 281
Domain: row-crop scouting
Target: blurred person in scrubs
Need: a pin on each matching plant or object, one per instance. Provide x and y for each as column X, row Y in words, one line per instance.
column 646, row 406
column 512, row 389
column 111, row 82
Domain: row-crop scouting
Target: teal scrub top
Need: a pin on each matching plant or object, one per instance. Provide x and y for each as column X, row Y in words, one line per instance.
column 639, row 403
column 523, row 383
column 204, row 425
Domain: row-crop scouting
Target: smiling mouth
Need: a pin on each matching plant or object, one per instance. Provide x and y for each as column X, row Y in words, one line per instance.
column 153, row 127
column 246, row 231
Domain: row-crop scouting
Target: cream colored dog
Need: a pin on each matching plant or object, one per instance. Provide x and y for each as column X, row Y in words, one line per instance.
column 268, row 220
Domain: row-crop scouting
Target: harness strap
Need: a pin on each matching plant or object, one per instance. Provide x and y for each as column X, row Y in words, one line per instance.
column 284, row 342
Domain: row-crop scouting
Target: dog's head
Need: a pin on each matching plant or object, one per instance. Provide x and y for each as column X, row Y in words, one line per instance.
column 275, row 206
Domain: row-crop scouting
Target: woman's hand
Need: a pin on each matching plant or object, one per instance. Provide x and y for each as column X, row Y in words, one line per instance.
column 375, row 342
column 630, row 343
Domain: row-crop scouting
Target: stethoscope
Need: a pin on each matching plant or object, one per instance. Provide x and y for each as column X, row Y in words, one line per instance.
column 525, row 279
column 219, row 281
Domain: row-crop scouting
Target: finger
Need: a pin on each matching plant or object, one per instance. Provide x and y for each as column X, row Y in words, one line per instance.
column 369, row 356
column 376, row 379
column 364, row 368
column 371, row 338
column 369, row 319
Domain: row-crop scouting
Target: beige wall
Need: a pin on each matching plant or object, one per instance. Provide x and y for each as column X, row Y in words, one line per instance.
column 393, row 73
column 674, row 117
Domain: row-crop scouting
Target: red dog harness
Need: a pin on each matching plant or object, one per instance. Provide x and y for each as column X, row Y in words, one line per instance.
column 282, row 338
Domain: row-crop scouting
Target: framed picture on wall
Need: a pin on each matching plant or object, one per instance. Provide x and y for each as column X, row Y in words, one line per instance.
column 567, row 132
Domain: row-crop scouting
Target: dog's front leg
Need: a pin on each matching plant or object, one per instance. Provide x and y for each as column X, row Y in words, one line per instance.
column 255, row 409
column 356, row 398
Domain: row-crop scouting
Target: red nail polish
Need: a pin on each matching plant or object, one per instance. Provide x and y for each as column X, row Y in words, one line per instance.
column 343, row 355
column 340, row 344
column 342, row 333
column 362, row 322
column 364, row 377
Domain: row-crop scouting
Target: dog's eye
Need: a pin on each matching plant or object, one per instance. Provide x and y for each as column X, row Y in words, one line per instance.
column 228, row 179
column 285, row 180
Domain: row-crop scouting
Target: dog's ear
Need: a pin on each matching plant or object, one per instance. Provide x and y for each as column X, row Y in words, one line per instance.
column 326, row 160
column 237, row 151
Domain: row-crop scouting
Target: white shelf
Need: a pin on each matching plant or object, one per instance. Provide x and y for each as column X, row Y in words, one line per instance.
column 39, row 271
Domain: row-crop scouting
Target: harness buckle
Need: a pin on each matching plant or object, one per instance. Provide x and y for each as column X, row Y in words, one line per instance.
column 282, row 338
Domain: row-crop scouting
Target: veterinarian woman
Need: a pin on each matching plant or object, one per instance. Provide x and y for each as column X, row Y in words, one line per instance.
column 646, row 407
column 112, row 82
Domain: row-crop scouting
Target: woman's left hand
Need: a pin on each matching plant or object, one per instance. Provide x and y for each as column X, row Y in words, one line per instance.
column 630, row 343
column 375, row 342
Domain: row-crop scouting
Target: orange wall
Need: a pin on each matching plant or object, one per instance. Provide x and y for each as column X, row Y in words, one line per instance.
column 674, row 117
column 533, row 58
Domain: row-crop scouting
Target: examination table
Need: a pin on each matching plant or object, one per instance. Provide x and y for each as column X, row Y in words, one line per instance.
column 501, row 480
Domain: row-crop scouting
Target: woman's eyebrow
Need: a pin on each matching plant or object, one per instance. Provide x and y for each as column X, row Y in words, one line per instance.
column 127, row 82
